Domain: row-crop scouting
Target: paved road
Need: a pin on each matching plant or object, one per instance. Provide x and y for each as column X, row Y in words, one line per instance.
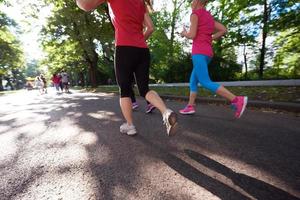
column 69, row 147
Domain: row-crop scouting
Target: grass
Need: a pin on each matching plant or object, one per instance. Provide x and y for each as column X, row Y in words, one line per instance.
column 8, row 92
column 274, row 94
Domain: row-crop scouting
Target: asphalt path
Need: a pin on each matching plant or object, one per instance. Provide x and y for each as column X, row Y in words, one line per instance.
column 68, row 146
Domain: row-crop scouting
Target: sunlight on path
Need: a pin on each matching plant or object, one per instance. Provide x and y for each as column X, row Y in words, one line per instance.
column 41, row 157
column 68, row 146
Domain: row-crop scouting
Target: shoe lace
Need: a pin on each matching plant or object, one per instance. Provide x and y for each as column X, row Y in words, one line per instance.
column 189, row 107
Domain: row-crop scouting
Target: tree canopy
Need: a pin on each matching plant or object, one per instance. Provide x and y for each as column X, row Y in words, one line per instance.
column 11, row 54
column 262, row 41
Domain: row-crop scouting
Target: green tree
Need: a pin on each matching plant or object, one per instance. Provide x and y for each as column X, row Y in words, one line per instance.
column 158, row 46
column 175, row 16
column 287, row 58
column 32, row 69
column 78, row 39
column 169, row 61
column 11, row 54
column 274, row 15
column 224, row 64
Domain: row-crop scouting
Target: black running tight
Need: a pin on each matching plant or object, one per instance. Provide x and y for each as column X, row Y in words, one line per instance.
column 130, row 61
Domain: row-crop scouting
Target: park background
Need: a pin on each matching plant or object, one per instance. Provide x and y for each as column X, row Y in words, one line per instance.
column 68, row 145
column 48, row 36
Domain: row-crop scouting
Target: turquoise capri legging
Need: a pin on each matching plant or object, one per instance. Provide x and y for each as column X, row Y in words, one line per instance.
column 200, row 74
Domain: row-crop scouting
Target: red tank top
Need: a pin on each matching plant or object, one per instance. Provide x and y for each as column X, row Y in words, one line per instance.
column 128, row 17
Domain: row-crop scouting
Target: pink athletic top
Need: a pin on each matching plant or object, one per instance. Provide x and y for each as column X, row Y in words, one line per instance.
column 128, row 17
column 56, row 79
column 202, row 43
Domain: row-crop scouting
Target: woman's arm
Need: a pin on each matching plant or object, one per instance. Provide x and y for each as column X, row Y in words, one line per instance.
column 220, row 30
column 88, row 5
column 148, row 24
column 191, row 34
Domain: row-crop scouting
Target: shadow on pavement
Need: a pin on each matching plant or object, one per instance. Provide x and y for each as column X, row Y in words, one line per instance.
column 92, row 114
column 183, row 168
column 255, row 187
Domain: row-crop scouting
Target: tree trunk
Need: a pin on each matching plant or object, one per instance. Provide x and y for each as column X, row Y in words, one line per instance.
column 175, row 13
column 90, row 54
column 93, row 65
column 92, row 59
column 81, row 79
column 173, row 24
column 1, row 85
column 92, row 73
column 264, row 37
column 245, row 61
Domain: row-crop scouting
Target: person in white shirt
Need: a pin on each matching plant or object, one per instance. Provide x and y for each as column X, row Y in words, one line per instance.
column 65, row 81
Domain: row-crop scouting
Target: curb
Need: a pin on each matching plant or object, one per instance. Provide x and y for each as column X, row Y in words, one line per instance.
column 289, row 82
column 285, row 106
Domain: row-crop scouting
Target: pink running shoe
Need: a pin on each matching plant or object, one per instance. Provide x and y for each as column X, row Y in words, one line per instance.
column 239, row 104
column 188, row 110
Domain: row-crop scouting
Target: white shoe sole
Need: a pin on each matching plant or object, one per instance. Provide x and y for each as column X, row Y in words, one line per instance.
column 150, row 111
column 187, row 113
column 244, row 106
column 130, row 133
